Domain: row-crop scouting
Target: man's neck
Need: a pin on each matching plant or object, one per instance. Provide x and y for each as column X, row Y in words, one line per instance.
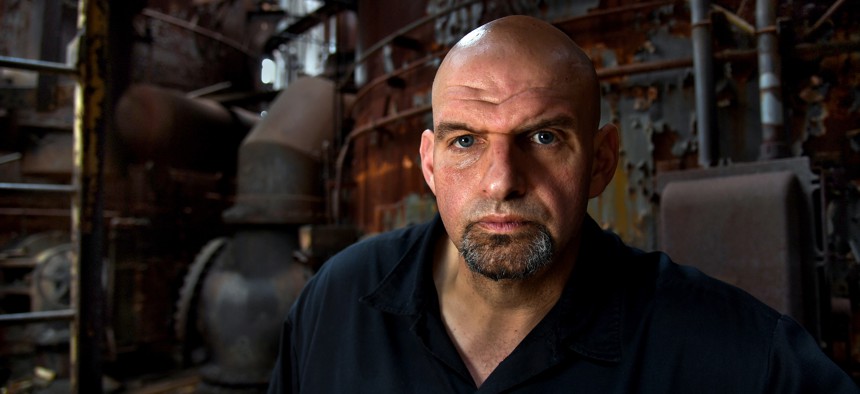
column 487, row 319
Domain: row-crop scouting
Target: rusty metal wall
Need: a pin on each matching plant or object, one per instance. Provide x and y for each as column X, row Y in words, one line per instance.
column 171, row 52
column 653, row 110
column 396, row 81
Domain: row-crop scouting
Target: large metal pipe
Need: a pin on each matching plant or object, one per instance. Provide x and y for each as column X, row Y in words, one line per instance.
column 164, row 125
column 703, row 65
column 254, row 278
column 280, row 174
column 773, row 144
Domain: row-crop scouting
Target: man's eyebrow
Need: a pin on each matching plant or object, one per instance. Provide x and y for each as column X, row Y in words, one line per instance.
column 444, row 128
column 565, row 122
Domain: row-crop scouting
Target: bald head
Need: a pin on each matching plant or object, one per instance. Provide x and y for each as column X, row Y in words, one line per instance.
column 516, row 53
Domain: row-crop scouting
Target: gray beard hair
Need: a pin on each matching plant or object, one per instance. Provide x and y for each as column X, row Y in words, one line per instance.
column 504, row 256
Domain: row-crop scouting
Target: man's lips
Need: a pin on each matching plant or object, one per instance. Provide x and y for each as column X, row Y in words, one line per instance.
column 502, row 224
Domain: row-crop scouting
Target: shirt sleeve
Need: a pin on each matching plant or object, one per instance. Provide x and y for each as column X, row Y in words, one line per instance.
column 797, row 364
column 282, row 375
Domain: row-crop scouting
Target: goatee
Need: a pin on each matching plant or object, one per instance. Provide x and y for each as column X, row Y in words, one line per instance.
column 507, row 256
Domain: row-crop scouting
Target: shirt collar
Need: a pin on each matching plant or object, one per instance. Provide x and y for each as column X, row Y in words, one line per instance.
column 590, row 308
column 586, row 319
column 405, row 290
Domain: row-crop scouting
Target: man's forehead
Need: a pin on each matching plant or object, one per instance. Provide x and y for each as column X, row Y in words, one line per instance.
column 487, row 72
column 498, row 81
column 468, row 107
column 516, row 62
column 499, row 95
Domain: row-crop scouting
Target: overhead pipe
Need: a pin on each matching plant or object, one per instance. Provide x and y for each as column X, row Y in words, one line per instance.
column 199, row 30
column 735, row 20
column 431, row 60
column 36, row 317
column 773, row 144
column 400, row 32
column 597, row 13
column 703, row 66
column 38, row 187
column 37, row 65
column 824, row 18
column 163, row 125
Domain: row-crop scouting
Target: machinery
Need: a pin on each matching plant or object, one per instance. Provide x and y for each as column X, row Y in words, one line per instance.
column 248, row 141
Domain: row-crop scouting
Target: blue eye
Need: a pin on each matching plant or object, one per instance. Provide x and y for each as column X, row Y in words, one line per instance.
column 465, row 141
column 543, row 137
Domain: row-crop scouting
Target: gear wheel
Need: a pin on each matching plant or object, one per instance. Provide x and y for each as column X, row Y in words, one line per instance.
column 189, row 295
column 52, row 278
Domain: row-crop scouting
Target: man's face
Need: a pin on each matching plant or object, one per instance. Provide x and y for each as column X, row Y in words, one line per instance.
column 510, row 162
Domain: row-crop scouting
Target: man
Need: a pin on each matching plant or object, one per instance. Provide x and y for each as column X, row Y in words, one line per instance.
column 512, row 287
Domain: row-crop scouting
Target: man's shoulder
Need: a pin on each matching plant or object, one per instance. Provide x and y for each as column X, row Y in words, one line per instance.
column 361, row 267
column 682, row 296
column 377, row 254
column 657, row 286
column 693, row 287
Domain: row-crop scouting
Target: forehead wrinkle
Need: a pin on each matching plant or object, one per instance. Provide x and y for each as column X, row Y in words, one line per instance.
column 481, row 115
column 469, row 93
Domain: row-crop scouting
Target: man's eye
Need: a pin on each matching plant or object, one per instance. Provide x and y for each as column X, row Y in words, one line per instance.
column 465, row 141
column 543, row 137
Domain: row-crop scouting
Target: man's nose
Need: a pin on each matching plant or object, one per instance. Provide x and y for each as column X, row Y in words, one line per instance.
column 503, row 178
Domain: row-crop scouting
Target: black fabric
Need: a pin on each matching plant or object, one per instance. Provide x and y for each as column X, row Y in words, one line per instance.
column 627, row 322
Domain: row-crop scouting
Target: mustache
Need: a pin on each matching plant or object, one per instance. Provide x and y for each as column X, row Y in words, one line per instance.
column 527, row 210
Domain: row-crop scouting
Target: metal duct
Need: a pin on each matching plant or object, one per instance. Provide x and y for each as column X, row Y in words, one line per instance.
column 703, row 65
column 280, row 176
column 253, row 278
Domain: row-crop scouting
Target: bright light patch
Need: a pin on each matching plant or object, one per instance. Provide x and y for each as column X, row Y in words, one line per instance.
column 267, row 73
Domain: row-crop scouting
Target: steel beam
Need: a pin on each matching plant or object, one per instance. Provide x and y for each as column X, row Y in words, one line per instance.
column 88, row 296
column 36, row 317
column 38, row 187
column 36, row 65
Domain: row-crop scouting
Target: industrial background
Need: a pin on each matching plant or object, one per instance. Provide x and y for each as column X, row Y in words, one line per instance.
column 173, row 171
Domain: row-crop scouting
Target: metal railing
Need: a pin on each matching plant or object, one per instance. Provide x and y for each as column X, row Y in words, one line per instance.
column 86, row 312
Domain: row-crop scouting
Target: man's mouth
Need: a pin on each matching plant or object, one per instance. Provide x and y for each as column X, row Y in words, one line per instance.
column 503, row 223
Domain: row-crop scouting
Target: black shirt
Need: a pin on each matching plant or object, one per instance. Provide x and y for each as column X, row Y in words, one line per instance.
column 627, row 322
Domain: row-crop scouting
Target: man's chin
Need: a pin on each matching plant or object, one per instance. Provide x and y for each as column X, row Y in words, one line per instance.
column 502, row 275
column 499, row 257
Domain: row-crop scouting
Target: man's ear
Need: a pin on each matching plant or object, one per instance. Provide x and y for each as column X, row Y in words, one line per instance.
column 605, row 159
column 428, row 139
